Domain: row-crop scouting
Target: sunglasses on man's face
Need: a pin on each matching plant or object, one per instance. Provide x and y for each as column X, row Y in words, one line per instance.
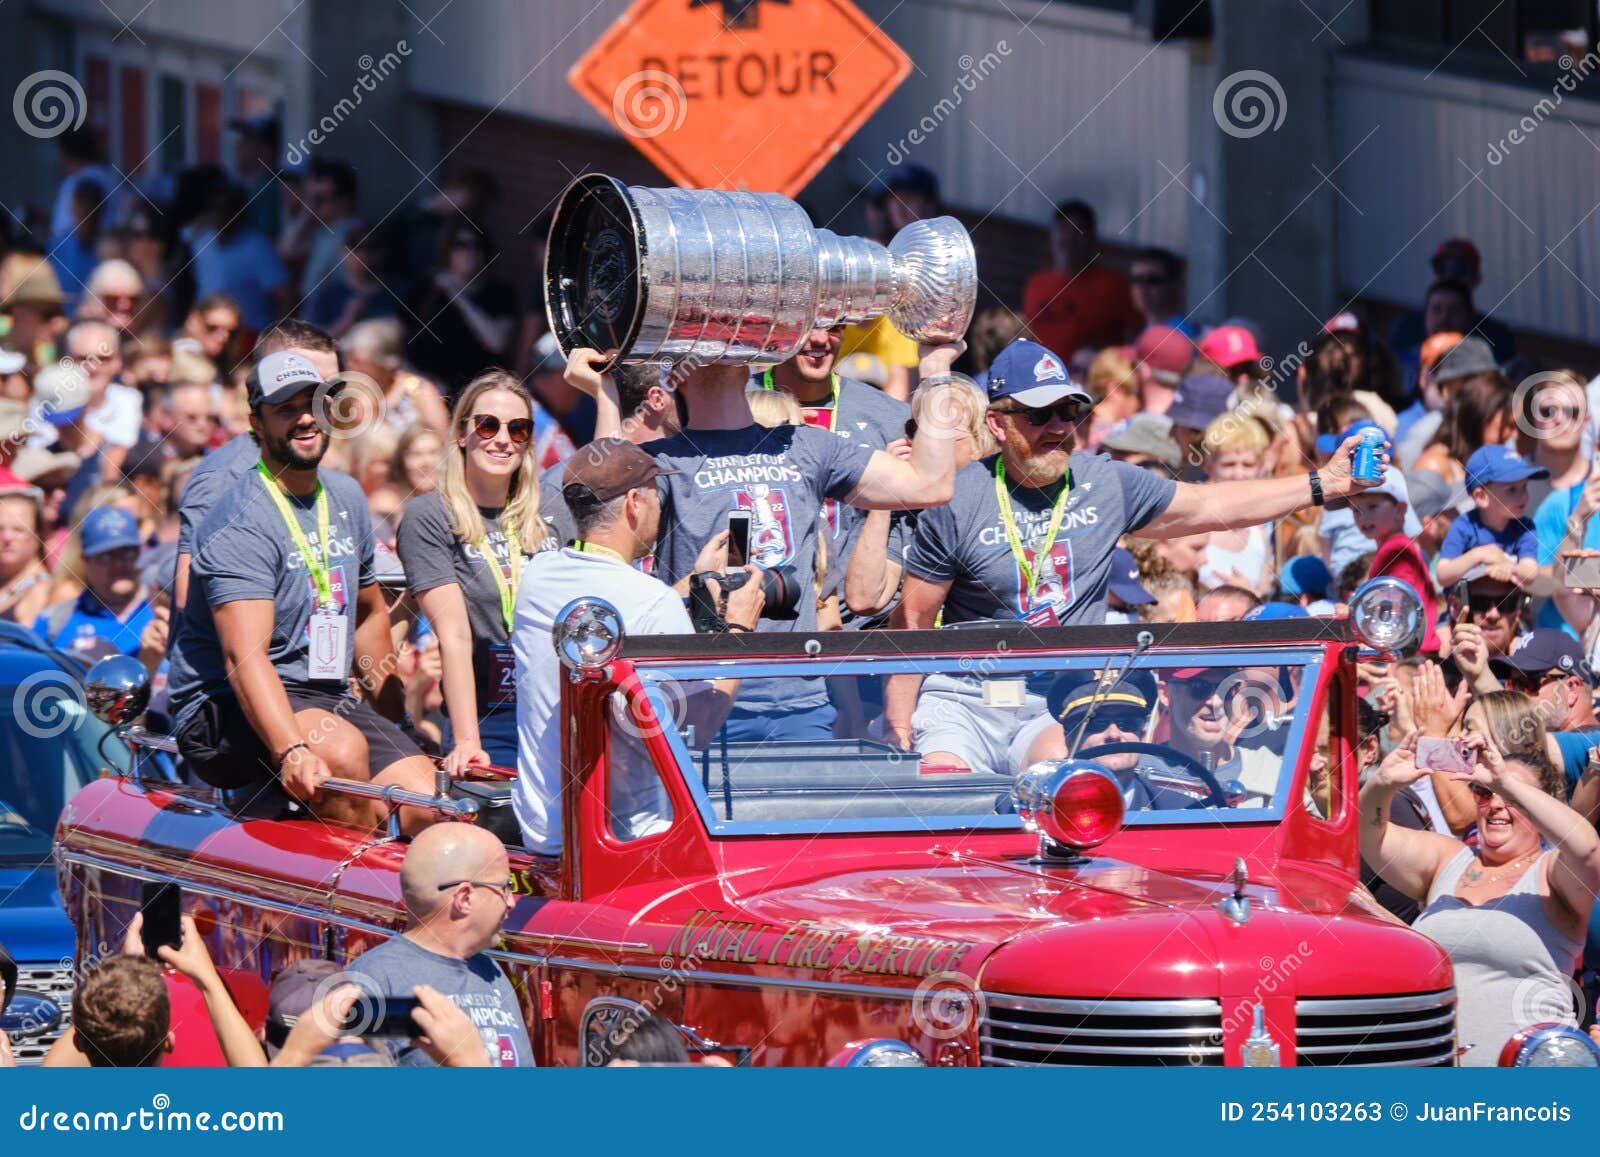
column 1531, row 682
column 1070, row 411
column 519, row 430
column 1508, row 604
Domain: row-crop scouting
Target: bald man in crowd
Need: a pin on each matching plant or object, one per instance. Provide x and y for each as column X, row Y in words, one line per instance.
column 457, row 887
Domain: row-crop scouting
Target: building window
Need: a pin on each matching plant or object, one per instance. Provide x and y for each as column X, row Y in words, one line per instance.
column 1512, row 36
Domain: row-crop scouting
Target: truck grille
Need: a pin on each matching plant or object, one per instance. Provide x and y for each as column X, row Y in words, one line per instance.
column 1416, row 1029
column 1037, row 1030
column 54, row 982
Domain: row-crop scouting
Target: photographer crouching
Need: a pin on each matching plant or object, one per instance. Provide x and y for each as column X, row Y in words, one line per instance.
column 610, row 488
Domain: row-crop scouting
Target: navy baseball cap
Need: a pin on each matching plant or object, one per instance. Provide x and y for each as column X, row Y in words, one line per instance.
column 1546, row 650
column 1500, row 464
column 1328, row 443
column 906, row 179
column 1032, row 375
column 279, row 377
column 1305, row 574
column 1125, row 582
column 1200, row 400
column 109, row 528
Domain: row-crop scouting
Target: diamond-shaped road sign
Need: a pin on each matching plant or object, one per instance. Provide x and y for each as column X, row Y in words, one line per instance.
column 753, row 94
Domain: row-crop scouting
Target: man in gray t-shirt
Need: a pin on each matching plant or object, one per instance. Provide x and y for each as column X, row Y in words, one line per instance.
column 456, row 883
column 285, row 611
column 1029, row 535
column 847, row 409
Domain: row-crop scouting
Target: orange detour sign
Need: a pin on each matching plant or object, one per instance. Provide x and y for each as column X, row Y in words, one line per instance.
column 753, row 94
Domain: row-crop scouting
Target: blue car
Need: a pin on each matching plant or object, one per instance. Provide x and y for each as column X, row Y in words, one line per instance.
column 49, row 748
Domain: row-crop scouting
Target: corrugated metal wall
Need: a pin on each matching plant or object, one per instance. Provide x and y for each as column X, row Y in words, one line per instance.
column 1082, row 105
column 244, row 26
column 1426, row 173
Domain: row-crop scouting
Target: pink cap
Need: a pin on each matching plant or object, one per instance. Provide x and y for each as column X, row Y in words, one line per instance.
column 1230, row 345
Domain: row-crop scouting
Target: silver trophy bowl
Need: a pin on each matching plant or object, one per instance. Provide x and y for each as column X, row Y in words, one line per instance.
column 708, row 277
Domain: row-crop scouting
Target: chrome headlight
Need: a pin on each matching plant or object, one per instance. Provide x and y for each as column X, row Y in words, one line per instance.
column 117, row 689
column 588, row 633
column 1550, row 1046
column 1073, row 802
column 878, row 1054
column 1387, row 614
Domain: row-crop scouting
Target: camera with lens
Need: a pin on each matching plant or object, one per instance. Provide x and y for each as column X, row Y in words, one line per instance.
column 708, row 609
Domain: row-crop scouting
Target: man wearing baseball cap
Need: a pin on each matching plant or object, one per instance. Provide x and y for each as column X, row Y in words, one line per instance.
column 1030, row 534
column 219, row 471
column 1551, row 666
column 285, row 610
column 1161, row 356
column 610, row 487
column 113, row 606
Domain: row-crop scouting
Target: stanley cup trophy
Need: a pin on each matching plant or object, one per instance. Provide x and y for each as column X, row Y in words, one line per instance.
column 706, row 277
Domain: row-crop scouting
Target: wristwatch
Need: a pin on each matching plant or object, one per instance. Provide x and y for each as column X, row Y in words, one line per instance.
column 1316, row 490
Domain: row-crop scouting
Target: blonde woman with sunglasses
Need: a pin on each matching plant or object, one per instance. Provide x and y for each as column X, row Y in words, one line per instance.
column 463, row 546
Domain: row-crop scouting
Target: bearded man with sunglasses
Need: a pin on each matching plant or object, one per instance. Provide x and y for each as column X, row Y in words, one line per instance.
column 1029, row 535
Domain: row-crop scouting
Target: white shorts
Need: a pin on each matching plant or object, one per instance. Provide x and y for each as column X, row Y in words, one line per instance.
column 952, row 716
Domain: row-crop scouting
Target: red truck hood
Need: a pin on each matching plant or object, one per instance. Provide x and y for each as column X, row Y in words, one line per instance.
column 1049, row 930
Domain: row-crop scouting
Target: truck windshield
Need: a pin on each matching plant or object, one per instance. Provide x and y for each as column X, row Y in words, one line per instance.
column 1191, row 738
column 47, row 752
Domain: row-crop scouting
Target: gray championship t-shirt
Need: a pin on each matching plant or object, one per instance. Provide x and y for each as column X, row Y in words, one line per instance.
column 781, row 476
column 553, row 507
column 869, row 418
column 966, row 544
column 244, row 551
column 433, row 557
column 477, row 985
column 216, row 474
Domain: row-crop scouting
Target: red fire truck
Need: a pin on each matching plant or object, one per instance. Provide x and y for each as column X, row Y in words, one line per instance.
column 1167, row 899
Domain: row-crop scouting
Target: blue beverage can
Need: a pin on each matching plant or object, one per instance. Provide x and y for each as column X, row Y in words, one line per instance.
column 1366, row 462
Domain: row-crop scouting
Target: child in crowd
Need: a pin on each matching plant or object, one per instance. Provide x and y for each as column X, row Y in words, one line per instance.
column 1234, row 447
column 1494, row 540
column 1380, row 515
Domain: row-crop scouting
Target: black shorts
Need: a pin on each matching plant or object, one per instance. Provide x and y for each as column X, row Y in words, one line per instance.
column 223, row 749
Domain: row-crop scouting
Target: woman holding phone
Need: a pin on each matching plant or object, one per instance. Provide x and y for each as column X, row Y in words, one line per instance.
column 1512, row 911
column 463, row 546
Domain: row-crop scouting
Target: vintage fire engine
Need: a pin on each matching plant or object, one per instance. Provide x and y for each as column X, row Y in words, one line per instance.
column 1135, row 903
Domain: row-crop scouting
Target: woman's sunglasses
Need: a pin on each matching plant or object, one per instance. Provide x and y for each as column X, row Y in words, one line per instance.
column 1479, row 792
column 519, row 430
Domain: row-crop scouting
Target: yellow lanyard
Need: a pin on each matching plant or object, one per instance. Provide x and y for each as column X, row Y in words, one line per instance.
column 508, row 590
column 603, row 551
column 1003, row 496
column 316, row 567
column 768, row 384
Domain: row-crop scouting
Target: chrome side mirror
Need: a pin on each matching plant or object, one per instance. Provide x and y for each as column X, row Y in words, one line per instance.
column 117, row 690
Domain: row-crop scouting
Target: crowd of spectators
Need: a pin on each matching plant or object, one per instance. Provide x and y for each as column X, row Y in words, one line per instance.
column 129, row 334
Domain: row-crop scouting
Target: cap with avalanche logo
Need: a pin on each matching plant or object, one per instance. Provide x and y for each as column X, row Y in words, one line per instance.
column 109, row 528
column 279, row 377
column 1032, row 376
